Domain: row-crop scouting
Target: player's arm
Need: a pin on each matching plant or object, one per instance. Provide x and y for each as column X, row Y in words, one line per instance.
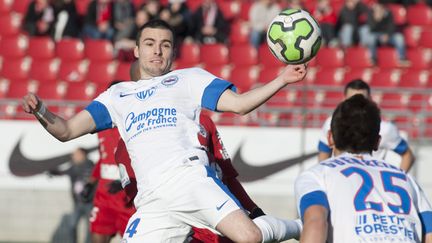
column 248, row 101
column 428, row 238
column 315, row 225
column 64, row 130
column 312, row 204
column 407, row 160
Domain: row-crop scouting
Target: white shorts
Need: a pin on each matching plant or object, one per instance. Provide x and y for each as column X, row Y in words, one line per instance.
column 193, row 196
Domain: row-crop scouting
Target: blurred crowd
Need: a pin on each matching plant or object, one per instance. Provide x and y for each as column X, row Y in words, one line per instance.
column 348, row 23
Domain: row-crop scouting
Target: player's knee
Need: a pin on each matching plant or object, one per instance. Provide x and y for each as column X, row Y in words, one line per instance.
column 252, row 234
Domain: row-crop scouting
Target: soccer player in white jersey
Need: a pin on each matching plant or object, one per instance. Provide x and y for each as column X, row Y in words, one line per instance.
column 354, row 197
column 390, row 137
column 157, row 117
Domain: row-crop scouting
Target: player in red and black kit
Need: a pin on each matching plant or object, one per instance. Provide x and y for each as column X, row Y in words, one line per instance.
column 219, row 160
column 111, row 208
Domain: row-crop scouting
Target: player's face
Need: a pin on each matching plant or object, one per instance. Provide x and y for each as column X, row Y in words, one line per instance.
column 351, row 92
column 155, row 52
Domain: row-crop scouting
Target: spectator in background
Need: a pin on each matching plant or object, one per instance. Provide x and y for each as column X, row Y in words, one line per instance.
column 352, row 17
column 153, row 8
column 79, row 173
column 178, row 15
column 124, row 47
column 209, row 24
column 98, row 23
column 261, row 14
column 66, row 22
column 123, row 17
column 327, row 19
column 381, row 30
column 298, row 4
column 39, row 18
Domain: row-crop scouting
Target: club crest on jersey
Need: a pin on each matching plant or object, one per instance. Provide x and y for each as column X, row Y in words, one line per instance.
column 170, row 81
column 145, row 94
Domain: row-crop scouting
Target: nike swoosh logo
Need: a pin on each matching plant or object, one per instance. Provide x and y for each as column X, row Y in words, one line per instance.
column 248, row 173
column 21, row 166
column 219, row 208
column 124, row 95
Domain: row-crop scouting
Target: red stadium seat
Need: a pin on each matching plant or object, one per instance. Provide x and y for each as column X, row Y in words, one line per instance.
column 189, row 55
column 329, row 76
column 268, row 74
column 80, row 91
column 214, row 54
column 412, row 35
column 357, row 73
column 13, row 47
column 222, row 71
column 70, row 49
column 419, row 14
column 122, row 73
column 101, row 73
column 394, row 101
column 244, row 10
column 5, row 6
column 81, row 6
column 266, row 58
column 41, row 48
column 44, row 71
column 230, row 9
column 239, row 33
column 414, row 78
column 15, row 69
column 420, row 58
column 72, row 71
column 399, row 13
column 385, row 78
column 426, row 38
column 330, row 58
column 417, row 102
column 51, row 91
column 244, row 78
column 17, row 90
column 243, row 55
column 387, row 57
column 358, row 57
column 20, row 6
column 192, row 4
column 332, row 98
column 309, row 98
column 98, row 50
column 10, row 24
column 282, row 99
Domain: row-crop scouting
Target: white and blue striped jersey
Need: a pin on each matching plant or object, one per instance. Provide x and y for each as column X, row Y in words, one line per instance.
column 368, row 200
column 158, row 119
column 390, row 140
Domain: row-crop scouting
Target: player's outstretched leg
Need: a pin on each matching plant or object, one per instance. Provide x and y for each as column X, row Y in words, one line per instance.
column 239, row 228
column 275, row 229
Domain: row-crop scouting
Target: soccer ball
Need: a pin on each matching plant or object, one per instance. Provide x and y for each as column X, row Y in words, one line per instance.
column 294, row 36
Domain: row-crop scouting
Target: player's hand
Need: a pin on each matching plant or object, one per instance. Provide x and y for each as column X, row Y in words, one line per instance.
column 87, row 193
column 256, row 212
column 31, row 103
column 115, row 187
column 293, row 73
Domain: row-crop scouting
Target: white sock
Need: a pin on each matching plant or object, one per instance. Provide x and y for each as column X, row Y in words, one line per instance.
column 275, row 229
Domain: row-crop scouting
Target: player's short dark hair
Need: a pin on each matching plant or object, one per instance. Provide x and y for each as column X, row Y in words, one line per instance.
column 357, row 84
column 355, row 125
column 155, row 24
